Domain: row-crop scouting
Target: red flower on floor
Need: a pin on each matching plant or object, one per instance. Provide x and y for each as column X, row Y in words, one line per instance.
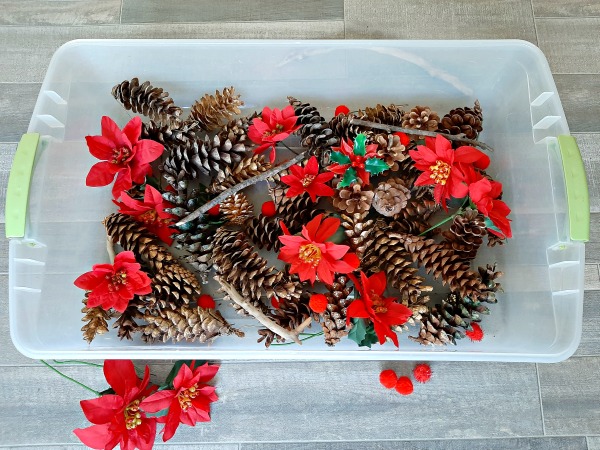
column 189, row 401
column 113, row 285
column 384, row 312
column 150, row 212
column 485, row 193
column 308, row 179
column 123, row 154
column 273, row 126
column 309, row 254
column 118, row 419
column 441, row 166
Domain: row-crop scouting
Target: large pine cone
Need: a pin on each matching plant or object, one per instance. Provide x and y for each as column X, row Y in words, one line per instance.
column 247, row 168
column 465, row 121
column 421, row 118
column 334, row 317
column 391, row 196
column 435, row 330
column 148, row 100
column 466, row 233
column 344, row 129
column 237, row 209
column 389, row 115
column 353, row 199
column 315, row 131
column 358, row 230
column 211, row 111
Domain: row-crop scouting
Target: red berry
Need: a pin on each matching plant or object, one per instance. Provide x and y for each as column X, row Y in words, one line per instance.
column 206, row 301
column 404, row 139
column 422, row 373
column 318, row 303
column 388, row 378
column 268, row 208
column 404, row 386
column 214, row 211
column 341, row 109
column 274, row 302
column 476, row 334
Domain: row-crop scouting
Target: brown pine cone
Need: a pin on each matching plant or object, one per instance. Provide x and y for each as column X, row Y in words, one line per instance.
column 357, row 229
column 237, row 209
column 126, row 323
column 247, row 168
column 297, row 211
column 353, row 199
column 210, row 111
column 389, row 115
column 315, row 131
column 494, row 240
column 334, row 317
column 96, row 320
column 391, row 196
column 465, row 121
column 435, row 330
column 421, row 118
column 236, row 131
column 148, row 100
column 289, row 314
column 174, row 285
column 488, row 278
column 465, row 235
column 414, row 217
column 343, row 129
column 391, row 150
column 264, row 232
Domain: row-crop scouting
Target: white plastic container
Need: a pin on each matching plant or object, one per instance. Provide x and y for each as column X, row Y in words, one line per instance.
column 538, row 317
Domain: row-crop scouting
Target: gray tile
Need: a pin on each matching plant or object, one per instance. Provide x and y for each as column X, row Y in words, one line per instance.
column 7, row 152
column 593, row 442
column 589, row 145
column 580, row 100
column 566, row 8
column 16, row 106
column 592, row 248
column 432, row 19
column 570, row 44
column 64, row 12
column 160, row 445
column 187, row 11
column 570, row 392
column 590, row 337
column 592, row 277
column 545, row 443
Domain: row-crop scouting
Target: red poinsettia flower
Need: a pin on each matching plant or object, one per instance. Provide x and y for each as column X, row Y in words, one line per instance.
column 441, row 166
column 356, row 160
column 118, row 419
column 123, row 154
column 113, row 285
column 308, row 179
column 150, row 212
column 485, row 193
column 189, row 401
column 273, row 126
column 384, row 312
column 309, row 254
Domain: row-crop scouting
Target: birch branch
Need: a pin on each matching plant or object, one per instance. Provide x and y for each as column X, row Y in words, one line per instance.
column 110, row 249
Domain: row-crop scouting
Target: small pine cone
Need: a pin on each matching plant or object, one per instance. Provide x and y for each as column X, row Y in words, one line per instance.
column 435, row 330
column 289, row 315
column 421, row 118
column 126, row 323
column 443, row 263
column 334, row 317
column 391, row 150
column 465, row 121
column 391, row 196
column 357, row 229
column 96, row 320
column 247, row 168
column 236, row 131
column 264, row 232
column 237, row 209
column 211, row 111
column 494, row 240
column 173, row 285
column 344, row 129
column 147, row 100
column 133, row 236
column 389, row 115
column 465, row 235
column 488, row 278
column 315, row 131
column 407, row 171
column 353, row 199
column 188, row 323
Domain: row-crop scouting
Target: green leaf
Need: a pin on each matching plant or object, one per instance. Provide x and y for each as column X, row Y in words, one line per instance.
column 363, row 334
column 375, row 166
column 359, row 145
column 339, row 158
column 489, row 224
column 108, row 391
column 161, row 413
column 349, row 178
column 173, row 373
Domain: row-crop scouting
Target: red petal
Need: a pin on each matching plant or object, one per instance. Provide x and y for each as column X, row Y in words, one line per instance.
column 356, row 310
column 383, row 331
column 404, row 139
column 319, row 190
column 377, row 283
column 284, row 228
column 208, row 372
column 133, row 130
column 89, row 280
column 103, row 409
column 101, row 174
column 430, row 142
column 96, row 436
column 126, row 257
column 100, row 147
column 147, row 151
column 310, row 230
column 152, row 196
column 327, row 229
column 297, row 171
column 325, row 272
column 336, row 251
column 312, row 166
column 397, row 314
column 292, row 241
column 295, row 190
column 466, row 154
column 352, row 260
column 111, row 131
column 288, row 111
column 338, row 169
column 122, row 183
column 120, row 375
column 272, row 155
column 172, row 422
column 324, row 177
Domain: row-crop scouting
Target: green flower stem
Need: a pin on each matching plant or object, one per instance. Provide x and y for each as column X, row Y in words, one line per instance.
column 74, row 361
column 310, row 336
column 70, row 379
column 447, row 219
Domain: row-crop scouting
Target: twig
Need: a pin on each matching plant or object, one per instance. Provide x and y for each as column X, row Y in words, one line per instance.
column 110, row 249
column 390, row 128
column 238, row 187
column 300, row 328
column 257, row 313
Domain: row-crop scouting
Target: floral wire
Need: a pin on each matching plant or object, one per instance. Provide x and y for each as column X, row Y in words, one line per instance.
column 75, row 361
column 447, row 219
column 310, row 336
column 289, row 148
column 69, row 378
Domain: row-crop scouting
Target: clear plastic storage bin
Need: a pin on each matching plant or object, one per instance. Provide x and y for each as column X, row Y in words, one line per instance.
column 57, row 234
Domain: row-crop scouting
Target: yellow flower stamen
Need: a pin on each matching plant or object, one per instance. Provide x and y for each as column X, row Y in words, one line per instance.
column 186, row 396
column 307, row 180
column 378, row 304
column 440, row 172
column 311, row 254
column 133, row 416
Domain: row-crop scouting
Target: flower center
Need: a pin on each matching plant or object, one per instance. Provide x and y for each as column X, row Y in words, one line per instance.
column 307, row 180
column 359, row 162
column 311, row 254
column 440, row 172
column 278, row 129
column 117, row 280
column 378, row 304
column 133, row 417
column 149, row 217
column 185, row 397
column 120, row 155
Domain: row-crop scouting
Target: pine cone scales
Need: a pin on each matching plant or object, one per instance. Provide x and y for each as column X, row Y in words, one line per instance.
column 289, row 314
column 315, row 131
column 147, row 100
column 358, row 230
column 334, row 317
column 391, row 196
column 247, row 168
column 465, row 235
column 126, row 323
column 343, row 128
column 465, row 121
column 211, row 111
column 353, row 199
column 390, row 115
column 96, row 321
column 435, row 330
column 174, row 285
column 264, row 232
column 237, row 209
column 421, row 118
column 391, row 150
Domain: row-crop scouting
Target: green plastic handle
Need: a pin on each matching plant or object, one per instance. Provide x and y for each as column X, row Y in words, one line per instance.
column 17, row 192
column 577, row 189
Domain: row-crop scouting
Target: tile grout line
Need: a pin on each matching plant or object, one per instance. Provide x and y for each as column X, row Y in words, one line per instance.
column 537, row 40
column 121, row 13
column 587, row 442
column 537, row 372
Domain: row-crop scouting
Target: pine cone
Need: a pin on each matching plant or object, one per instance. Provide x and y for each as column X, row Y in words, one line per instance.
column 192, row 324
column 414, row 217
column 443, row 263
column 357, row 230
column 211, row 111
column 247, row 168
column 237, row 209
column 389, row 115
column 391, row 150
column 488, row 278
column 289, row 314
column 435, row 330
column 126, row 323
column 353, row 199
column 334, row 317
column 264, row 232
column 465, row 235
column 465, row 121
column 96, row 320
column 147, row 100
column 421, row 118
column 315, row 131
column 236, row 131
column 391, row 196
column 494, row 240
column 344, row 129
column 173, row 285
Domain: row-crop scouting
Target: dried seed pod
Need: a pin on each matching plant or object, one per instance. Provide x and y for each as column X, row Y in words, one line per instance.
column 391, row 196
column 421, row 118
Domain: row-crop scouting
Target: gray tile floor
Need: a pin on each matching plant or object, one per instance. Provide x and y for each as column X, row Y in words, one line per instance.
column 303, row 406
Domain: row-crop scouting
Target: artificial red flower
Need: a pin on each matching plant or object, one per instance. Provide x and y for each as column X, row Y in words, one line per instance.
column 309, row 254
column 308, row 179
column 404, row 139
column 384, row 312
column 268, row 208
column 476, row 334
column 422, row 373
column 441, row 166
column 113, row 285
column 484, row 193
column 318, row 303
column 123, row 154
column 117, row 418
column 341, row 109
column 388, row 378
column 354, row 160
column 150, row 211
column 404, row 386
column 206, row 301
column 189, row 401
column 272, row 127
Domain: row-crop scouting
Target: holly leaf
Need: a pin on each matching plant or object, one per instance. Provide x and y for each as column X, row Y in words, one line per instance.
column 375, row 166
column 363, row 334
column 339, row 158
column 349, row 178
column 359, row 145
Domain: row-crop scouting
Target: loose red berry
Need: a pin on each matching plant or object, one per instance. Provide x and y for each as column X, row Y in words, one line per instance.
column 476, row 334
column 388, row 378
column 422, row 373
column 268, row 208
column 206, row 301
column 214, row 211
column 341, row 109
column 404, row 386
column 318, row 303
